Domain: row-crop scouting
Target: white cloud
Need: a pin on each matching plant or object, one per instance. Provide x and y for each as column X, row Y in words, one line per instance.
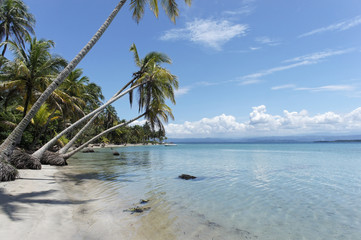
column 309, row 59
column 213, row 33
column 276, row 69
column 247, row 8
column 327, row 88
column 268, row 41
column 254, row 48
column 250, row 82
column 138, row 122
column 261, row 123
column 340, row 26
column 286, row 86
column 319, row 55
column 181, row 91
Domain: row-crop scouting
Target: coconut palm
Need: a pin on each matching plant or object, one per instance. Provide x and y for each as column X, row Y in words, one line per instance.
column 157, row 111
column 151, row 77
column 31, row 70
column 170, row 6
column 16, row 23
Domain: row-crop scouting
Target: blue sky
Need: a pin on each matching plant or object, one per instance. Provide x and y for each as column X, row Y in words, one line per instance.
column 246, row 68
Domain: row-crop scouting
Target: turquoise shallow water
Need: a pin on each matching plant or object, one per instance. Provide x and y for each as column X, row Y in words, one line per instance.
column 243, row 191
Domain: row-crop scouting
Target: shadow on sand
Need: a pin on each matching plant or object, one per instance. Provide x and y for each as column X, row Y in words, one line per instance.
column 11, row 205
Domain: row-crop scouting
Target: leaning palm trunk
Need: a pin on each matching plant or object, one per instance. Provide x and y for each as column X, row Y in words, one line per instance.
column 81, row 131
column 14, row 138
column 40, row 152
column 68, row 155
column 64, row 149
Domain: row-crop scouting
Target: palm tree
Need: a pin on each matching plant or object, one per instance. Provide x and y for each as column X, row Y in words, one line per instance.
column 151, row 77
column 15, row 22
column 157, row 111
column 170, row 6
column 31, row 70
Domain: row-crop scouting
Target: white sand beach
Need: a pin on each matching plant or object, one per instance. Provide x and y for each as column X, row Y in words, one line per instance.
column 37, row 206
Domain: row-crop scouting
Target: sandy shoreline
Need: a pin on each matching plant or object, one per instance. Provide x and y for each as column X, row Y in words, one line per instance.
column 37, row 206
column 48, row 204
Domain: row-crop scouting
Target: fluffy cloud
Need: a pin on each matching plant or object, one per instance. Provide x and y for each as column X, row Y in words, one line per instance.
column 261, row 123
column 181, row 91
column 212, row 33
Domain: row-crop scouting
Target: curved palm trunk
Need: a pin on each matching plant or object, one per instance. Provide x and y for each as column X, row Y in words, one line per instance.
column 14, row 138
column 41, row 151
column 68, row 155
column 6, row 45
column 64, row 149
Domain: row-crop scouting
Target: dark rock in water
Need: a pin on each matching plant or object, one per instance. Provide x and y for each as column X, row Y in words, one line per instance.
column 137, row 209
column 143, row 201
column 115, row 153
column 186, row 177
column 88, row 150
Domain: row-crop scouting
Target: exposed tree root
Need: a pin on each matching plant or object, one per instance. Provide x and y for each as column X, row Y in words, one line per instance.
column 7, row 171
column 52, row 158
column 22, row 160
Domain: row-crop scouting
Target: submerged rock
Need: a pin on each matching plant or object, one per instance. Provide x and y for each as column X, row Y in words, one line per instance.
column 137, row 209
column 88, row 150
column 186, row 177
column 115, row 153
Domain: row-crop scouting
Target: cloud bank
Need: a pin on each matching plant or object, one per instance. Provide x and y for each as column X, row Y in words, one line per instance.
column 212, row 33
column 261, row 123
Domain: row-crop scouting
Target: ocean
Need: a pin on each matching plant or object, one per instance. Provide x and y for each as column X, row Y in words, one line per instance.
column 242, row 191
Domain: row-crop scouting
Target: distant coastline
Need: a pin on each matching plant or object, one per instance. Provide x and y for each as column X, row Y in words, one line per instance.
column 272, row 139
column 340, row 141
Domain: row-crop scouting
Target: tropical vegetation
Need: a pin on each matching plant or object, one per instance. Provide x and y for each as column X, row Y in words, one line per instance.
column 44, row 98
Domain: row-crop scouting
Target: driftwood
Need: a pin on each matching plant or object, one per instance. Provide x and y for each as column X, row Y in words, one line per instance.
column 23, row 160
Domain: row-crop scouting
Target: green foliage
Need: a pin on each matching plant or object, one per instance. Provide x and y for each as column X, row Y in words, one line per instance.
column 170, row 7
column 26, row 76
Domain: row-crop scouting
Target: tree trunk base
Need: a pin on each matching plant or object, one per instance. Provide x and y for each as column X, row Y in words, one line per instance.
column 52, row 158
column 7, row 172
column 22, row 160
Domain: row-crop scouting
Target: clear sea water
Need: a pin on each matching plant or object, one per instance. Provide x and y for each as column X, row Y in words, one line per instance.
column 242, row 191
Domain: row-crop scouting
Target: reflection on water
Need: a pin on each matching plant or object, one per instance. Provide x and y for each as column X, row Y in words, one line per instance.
column 243, row 191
